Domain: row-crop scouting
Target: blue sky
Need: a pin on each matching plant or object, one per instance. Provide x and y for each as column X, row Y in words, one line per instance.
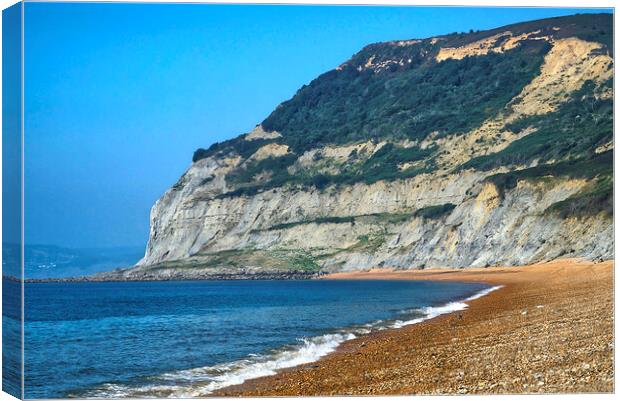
column 118, row 96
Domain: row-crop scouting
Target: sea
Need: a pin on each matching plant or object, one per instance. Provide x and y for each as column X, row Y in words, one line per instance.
column 190, row 338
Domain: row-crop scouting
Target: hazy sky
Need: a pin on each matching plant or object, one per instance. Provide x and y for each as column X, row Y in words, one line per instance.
column 118, row 96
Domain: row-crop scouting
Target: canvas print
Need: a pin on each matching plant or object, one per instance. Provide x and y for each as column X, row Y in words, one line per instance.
column 300, row 200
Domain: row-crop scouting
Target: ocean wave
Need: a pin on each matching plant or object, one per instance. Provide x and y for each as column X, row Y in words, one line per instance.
column 203, row 381
column 431, row 312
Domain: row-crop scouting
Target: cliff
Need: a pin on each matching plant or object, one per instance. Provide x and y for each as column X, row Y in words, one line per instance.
column 479, row 149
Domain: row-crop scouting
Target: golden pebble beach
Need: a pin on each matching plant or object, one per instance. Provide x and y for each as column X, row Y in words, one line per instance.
column 549, row 329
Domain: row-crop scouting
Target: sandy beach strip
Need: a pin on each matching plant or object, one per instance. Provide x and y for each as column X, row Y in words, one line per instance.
column 549, row 329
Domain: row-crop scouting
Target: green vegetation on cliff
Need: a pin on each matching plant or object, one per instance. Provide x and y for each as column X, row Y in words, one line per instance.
column 398, row 95
column 451, row 96
column 574, row 131
column 596, row 197
column 386, row 160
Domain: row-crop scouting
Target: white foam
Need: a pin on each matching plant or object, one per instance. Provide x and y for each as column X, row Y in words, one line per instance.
column 205, row 380
column 483, row 293
column 431, row 312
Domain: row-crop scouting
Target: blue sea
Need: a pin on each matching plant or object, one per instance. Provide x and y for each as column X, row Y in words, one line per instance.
column 187, row 339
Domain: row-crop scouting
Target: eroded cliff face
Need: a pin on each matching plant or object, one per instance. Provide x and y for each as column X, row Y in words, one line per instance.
column 366, row 226
column 531, row 181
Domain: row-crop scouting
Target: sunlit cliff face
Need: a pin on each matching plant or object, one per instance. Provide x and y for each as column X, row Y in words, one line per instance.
column 488, row 148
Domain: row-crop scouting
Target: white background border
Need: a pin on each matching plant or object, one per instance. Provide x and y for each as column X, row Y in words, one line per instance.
column 501, row 3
